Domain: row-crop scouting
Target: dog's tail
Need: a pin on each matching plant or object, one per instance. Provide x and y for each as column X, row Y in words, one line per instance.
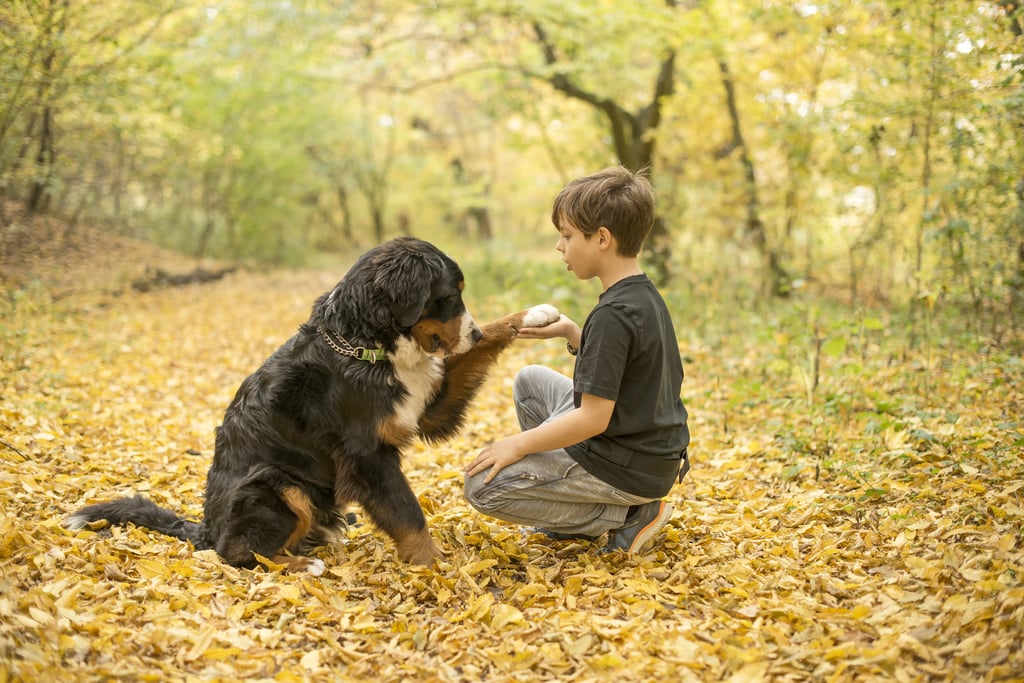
column 142, row 512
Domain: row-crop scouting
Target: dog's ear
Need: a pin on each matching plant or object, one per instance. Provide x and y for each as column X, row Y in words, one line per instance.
column 408, row 280
column 406, row 313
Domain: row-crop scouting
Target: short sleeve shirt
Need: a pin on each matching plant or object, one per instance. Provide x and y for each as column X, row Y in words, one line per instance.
column 629, row 354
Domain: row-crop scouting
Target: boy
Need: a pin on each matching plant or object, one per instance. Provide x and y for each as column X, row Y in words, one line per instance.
column 599, row 451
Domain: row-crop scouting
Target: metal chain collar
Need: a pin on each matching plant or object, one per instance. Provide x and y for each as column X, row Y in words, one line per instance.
column 346, row 349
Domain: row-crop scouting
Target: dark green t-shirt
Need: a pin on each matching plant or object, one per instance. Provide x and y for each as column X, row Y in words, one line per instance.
column 629, row 354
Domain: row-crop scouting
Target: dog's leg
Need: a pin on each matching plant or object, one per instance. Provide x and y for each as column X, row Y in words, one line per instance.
column 465, row 373
column 302, row 507
column 376, row 482
column 267, row 520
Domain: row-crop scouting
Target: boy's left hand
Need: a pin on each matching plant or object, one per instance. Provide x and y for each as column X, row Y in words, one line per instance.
column 562, row 327
column 497, row 457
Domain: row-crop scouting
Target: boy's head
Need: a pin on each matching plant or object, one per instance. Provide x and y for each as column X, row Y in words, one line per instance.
column 616, row 198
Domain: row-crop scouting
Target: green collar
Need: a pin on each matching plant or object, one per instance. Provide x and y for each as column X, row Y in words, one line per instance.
column 345, row 349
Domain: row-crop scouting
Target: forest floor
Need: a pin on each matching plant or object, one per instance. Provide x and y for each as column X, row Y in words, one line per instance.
column 871, row 531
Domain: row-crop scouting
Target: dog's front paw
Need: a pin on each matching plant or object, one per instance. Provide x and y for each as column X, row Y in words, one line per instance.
column 417, row 548
column 540, row 315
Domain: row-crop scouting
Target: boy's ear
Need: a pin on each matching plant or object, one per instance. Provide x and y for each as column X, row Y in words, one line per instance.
column 604, row 236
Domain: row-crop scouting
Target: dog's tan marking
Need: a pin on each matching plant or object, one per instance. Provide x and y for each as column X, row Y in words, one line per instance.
column 430, row 336
column 300, row 504
column 446, row 338
column 395, row 432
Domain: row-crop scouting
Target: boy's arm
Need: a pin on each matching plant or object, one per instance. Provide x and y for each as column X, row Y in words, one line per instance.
column 590, row 419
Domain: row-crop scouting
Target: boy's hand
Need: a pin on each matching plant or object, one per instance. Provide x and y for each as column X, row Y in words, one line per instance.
column 563, row 327
column 497, row 457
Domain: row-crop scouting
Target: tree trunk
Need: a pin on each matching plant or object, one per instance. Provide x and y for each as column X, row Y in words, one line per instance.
column 378, row 223
column 346, row 214
column 633, row 135
column 482, row 216
column 777, row 277
column 38, row 197
column 932, row 93
column 39, row 191
column 210, row 221
column 1017, row 281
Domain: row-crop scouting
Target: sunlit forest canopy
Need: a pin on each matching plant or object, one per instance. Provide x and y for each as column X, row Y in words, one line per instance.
column 870, row 150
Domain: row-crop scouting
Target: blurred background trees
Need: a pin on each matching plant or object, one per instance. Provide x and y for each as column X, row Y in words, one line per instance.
column 869, row 152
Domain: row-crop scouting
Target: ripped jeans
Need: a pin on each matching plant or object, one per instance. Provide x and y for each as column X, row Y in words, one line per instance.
column 549, row 490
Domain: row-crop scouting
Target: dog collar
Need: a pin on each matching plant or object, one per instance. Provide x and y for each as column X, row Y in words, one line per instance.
column 346, row 349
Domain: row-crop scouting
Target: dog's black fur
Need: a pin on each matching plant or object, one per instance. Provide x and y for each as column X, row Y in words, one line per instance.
column 314, row 430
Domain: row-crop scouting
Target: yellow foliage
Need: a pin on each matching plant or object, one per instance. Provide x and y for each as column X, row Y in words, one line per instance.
column 899, row 559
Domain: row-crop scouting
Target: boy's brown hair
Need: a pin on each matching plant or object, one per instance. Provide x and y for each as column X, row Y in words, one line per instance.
column 615, row 198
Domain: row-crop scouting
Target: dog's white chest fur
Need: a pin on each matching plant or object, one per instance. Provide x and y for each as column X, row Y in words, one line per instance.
column 421, row 374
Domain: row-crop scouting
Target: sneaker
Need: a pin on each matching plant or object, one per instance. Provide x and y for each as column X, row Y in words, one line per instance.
column 641, row 527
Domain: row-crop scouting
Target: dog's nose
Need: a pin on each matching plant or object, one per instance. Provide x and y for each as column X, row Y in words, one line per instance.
column 476, row 334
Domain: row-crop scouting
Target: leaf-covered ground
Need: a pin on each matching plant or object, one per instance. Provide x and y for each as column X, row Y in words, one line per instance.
column 874, row 534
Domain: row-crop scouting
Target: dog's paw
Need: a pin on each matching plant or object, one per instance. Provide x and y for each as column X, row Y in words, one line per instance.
column 540, row 315
column 316, row 567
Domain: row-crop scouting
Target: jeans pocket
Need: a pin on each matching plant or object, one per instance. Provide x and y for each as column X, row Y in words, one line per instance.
column 573, row 469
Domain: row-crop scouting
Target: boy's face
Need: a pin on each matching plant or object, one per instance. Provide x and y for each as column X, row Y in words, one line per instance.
column 579, row 251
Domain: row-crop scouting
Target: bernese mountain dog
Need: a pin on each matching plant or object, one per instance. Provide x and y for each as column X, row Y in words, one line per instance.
column 388, row 355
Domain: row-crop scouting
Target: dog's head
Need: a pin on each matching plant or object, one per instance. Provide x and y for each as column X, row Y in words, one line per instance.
column 409, row 286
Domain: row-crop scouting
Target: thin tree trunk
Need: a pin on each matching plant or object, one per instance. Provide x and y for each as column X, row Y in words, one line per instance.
column 926, row 171
column 346, row 214
column 39, row 192
column 378, row 223
column 776, row 274
column 38, row 197
column 1017, row 282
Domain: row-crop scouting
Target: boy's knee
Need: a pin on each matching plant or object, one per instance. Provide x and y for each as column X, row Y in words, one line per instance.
column 530, row 381
column 472, row 488
column 525, row 377
column 474, row 491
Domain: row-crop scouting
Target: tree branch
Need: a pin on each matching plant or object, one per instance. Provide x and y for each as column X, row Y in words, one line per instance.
column 650, row 116
column 618, row 117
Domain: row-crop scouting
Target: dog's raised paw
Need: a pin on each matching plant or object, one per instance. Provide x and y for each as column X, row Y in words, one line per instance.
column 540, row 315
column 316, row 567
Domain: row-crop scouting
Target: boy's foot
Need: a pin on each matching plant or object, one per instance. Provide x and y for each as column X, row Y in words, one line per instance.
column 641, row 527
column 556, row 536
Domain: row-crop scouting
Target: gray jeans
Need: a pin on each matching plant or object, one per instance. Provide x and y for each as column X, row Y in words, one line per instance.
column 549, row 490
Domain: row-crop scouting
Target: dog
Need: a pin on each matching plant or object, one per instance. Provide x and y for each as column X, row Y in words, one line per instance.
column 388, row 355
